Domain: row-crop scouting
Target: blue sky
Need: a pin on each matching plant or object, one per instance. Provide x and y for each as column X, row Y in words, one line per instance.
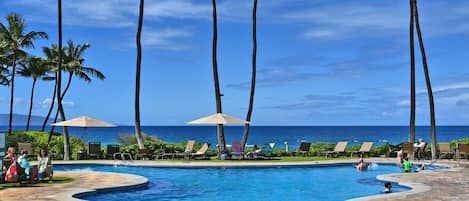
column 319, row 62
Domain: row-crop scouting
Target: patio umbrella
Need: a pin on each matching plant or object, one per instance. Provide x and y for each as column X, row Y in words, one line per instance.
column 85, row 122
column 218, row 118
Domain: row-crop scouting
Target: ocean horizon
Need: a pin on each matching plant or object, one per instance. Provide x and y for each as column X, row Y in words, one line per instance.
column 293, row 135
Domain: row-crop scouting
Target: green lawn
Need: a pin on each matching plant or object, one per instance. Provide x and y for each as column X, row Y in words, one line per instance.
column 56, row 180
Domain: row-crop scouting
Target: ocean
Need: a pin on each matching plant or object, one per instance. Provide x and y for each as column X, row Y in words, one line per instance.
column 293, row 135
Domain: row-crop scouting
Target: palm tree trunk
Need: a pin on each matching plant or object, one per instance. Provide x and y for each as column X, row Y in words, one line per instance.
column 427, row 80
column 31, row 104
column 70, row 76
column 220, row 132
column 12, row 93
column 253, row 77
column 51, row 108
column 138, row 131
column 59, row 84
column 412, row 76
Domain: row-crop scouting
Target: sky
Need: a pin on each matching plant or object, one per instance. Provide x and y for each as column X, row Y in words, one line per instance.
column 321, row 62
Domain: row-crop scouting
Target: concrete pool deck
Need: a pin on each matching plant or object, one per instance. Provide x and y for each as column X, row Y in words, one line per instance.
column 448, row 184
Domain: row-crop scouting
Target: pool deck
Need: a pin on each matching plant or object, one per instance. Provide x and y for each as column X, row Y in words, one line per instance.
column 448, row 184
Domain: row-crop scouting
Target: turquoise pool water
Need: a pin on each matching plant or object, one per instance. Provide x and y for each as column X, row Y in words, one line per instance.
column 336, row 182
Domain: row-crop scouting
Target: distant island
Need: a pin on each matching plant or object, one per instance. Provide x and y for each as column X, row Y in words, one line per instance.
column 21, row 119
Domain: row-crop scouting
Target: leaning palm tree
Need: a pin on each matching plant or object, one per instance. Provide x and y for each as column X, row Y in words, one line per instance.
column 253, row 77
column 220, row 134
column 427, row 80
column 412, row 76
column 138, row 131
column 73, row 63
column 14, row 39
column 35, row 68
column 51, row 60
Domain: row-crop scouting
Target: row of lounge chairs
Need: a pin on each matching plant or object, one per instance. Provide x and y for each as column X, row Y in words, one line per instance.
column 407, row 148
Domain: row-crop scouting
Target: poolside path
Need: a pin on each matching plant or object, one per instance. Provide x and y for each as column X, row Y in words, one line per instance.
column 84, row 182
column 451, row 184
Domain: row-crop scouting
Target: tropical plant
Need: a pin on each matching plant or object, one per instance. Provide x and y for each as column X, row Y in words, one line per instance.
column 4, row 73
column 427, row 81
column 35, row 68
column 220, row 133
column 138, row 131
column 13, row 41
column 253, row 76
column 412, row 76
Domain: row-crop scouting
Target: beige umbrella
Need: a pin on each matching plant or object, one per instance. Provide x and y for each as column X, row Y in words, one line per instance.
column 218, row 118
column 84, row 121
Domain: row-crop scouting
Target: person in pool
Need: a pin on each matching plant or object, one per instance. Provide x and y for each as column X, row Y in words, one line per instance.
column 407, row 165
column 387, row 187
column 361, row 166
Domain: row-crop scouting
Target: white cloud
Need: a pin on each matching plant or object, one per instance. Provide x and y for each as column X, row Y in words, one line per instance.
column 168, row 38
column 47, row 101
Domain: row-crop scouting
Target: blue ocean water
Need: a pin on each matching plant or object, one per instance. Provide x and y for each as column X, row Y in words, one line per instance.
column 293, row 135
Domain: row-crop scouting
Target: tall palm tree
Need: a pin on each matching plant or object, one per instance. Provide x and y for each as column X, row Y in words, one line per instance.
column 4, row 72
column 35, row 68
column 220, row 133
column 412, row 76
column 67, row 150
column 14, row 39
column 428, row 83
column 253, row 76
column 138, row 131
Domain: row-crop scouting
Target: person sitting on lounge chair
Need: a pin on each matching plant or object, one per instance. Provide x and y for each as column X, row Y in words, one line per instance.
column 45, row 165
column 24, row 163
column 255, row 152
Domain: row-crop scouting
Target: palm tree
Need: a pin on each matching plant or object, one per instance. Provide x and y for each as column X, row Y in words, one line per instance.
column 35, row 68
column 428, row 83
column 138, row 131
column 52, row 60
column 220, row 134
column 59, row 82
column 4, row 73
column 14, row 39
column 73, row 64
column 253, row 77
column 412, row 77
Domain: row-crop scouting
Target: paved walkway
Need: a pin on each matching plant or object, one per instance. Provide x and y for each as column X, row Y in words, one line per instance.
column 84, row 182
column 451, row 184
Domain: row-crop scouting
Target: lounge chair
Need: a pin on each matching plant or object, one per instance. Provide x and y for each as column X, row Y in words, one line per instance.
column 201, row 153
column 143, row 154
column 26, row 147
column 407, row 150
column 111, row 150
column 267, row 151
column 365, row 148
column 304, row 149
column 445, row 149
column 187, row 152
column 94, row 150
column 463, row 149
column 237, row 151
column 339, row 148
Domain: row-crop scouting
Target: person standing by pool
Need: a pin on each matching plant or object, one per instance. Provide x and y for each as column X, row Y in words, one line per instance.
column 407, row 165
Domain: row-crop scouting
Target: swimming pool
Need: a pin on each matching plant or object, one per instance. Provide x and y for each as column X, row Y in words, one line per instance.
column 332, row 182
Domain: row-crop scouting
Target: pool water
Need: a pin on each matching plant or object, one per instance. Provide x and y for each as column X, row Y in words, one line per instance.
column 336, row 182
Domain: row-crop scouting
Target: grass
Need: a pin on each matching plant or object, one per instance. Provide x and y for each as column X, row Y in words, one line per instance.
column 56, row 180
